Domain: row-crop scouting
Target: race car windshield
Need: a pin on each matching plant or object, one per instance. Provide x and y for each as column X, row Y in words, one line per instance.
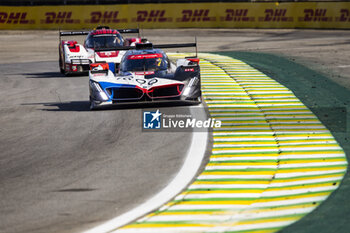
column 103, row 41
column 145, row 62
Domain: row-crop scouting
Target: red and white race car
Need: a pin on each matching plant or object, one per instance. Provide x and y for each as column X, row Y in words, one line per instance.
column 76, row 58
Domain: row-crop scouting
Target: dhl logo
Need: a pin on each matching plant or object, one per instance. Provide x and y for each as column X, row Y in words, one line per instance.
column 204, row 15
column 59, row 18
column 195, row 15
column 15, row 18
column 237, row 15
column 344, row 16
column 105, row 17
column 275, row 15
column 315, row 15
column 151, row 16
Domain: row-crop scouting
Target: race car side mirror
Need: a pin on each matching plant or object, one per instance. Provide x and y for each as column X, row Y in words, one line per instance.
column 193, row 61
column 187, row 62
column 180, row 62
column 99, row 66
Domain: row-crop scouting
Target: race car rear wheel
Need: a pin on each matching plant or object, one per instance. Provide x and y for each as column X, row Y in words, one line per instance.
column 62, row 71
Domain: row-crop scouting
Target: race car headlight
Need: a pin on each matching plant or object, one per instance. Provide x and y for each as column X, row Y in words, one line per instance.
column 99, row 90
column 187, row 91
column 103, row 96
column 192, row 82
column 95, row 86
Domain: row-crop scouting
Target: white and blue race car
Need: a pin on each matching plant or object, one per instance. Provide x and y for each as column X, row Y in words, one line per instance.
column 145, row 75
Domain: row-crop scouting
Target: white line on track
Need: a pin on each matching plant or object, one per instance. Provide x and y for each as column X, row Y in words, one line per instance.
column 189, row 169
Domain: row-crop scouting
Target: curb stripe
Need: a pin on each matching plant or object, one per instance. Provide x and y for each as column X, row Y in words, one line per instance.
column 272, row 160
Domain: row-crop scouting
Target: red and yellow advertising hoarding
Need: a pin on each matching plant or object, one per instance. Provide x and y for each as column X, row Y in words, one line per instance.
column 192, row 15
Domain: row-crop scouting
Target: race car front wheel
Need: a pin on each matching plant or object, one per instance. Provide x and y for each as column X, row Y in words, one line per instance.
column 92, row 105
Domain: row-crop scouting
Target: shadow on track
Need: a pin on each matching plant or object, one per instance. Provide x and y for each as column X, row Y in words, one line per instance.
column 83, row 106
column 73, row 106
column 44, row 75
column 51, row 75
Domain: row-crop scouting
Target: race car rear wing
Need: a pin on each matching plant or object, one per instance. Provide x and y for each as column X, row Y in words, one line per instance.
column 80, row 33
column 147, row 46
column 135, row 30
column 74, row 33
column 166, row 46
column 150, row 46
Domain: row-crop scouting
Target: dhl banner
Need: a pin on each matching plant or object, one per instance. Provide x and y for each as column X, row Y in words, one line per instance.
column 192, row 15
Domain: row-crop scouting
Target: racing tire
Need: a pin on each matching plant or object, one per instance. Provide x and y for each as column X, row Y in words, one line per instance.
column 197, row 100
column 92, row 105
column 60, row 63
column 62, row 71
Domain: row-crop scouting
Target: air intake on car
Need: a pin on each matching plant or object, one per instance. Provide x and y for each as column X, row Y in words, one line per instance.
column 123, row 93
column 166, row 91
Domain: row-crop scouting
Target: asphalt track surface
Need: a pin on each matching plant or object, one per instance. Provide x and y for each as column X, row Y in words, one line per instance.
column 66, row 169
column 62, row 164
